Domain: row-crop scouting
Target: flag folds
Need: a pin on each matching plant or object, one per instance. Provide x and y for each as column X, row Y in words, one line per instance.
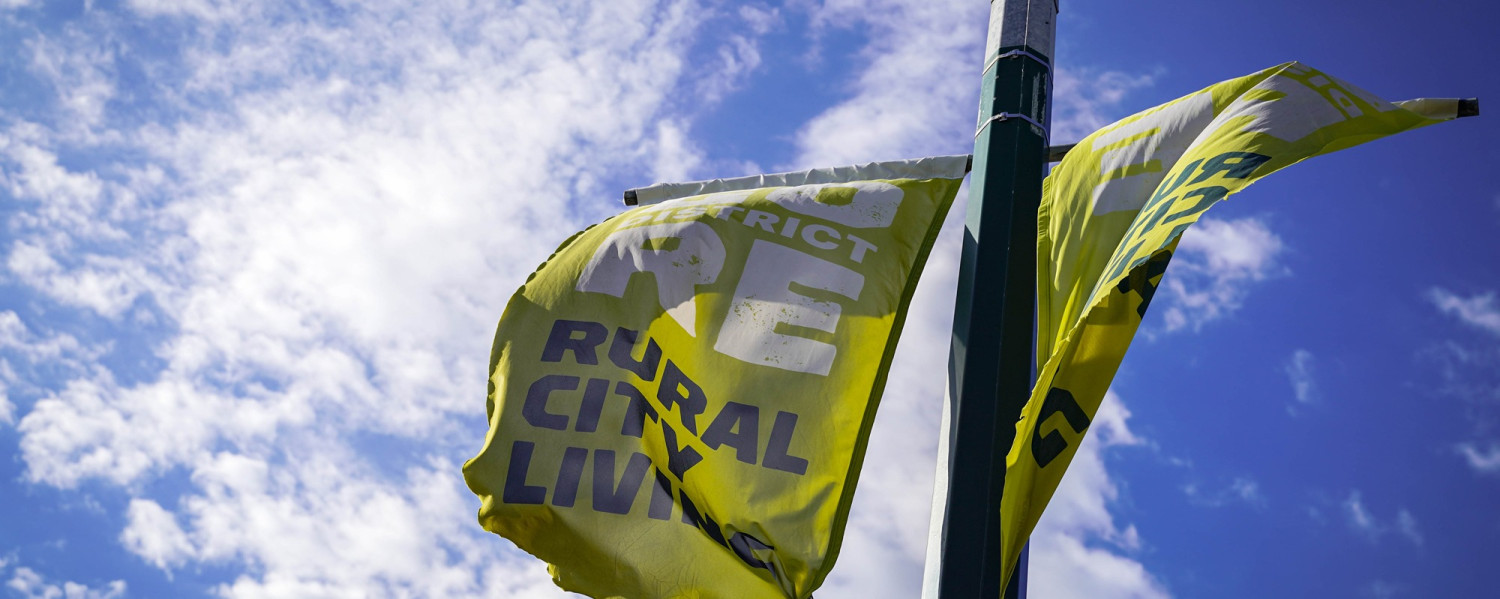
column 680, row 396
column 1110, row 218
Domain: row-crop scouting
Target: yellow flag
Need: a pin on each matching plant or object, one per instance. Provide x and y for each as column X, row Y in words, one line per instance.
column 1109, row 220
column 680, row 396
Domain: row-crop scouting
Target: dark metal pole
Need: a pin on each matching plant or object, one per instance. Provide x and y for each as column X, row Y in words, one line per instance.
column 990, row 367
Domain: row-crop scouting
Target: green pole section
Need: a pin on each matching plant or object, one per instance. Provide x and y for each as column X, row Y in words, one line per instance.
column 990, row 365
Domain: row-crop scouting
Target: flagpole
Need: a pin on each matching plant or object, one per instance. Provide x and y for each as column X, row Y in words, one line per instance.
column 990, row 364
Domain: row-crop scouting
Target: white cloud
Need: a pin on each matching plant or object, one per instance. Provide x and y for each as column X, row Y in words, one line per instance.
column 675, row 154
column 1243, row 489
column 337, row 216
column 737, row 58
column 211, row 10
column 1088, row 99
column 759, row 18
column 330, row 223
column 1301, row 372
column 1406, row 525
column 1466, row 372
column 1360, row 518
column 1246, row 489
column 82, row 80
column 26, row 583
column 54, row 196
column 1480, row 311
column 1366, row 524
column 58, row 351
column 1483, row 461
column 106, row 285
column 153, row 534
column 7, row 409
column 1381, row 589
column 918, row 92
column 1216, row 261
column 308, row 524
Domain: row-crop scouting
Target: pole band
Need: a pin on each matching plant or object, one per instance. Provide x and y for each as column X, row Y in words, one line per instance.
column 1017, row 53
column 1005, row 116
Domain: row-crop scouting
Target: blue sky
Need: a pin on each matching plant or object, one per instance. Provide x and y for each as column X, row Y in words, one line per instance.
column 252, row 254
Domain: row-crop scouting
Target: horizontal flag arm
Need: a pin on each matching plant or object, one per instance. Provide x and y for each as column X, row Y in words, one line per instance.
column 656, row 193
column 1435, row 107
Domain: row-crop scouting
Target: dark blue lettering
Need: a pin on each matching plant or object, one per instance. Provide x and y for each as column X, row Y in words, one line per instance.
column 562, row 340
column 624, row 344
column 1058, row 401
column 593, row 405
column 661, row 497
column 737, row 425
column 677, row 388
column 745, row 547
column 1244, row 164
column 568, row 475
column 516, row 489
column 1139, row 280
column 612, row 498
column 690, row 515
column 1207, row 196
column 534, row 409
column 679, row 459
column 636, row 412
column 778, row 456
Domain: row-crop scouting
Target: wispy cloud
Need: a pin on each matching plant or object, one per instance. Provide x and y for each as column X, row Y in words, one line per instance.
column 1485, row 461
column 26, row 583
column 7, row 408
column 1480, row 311
column 1406, row 526
column 1359, row 518
column 325, row 216
column 1362, row 521
column 1301, row 373
column 1087, row 99
column 1468, row 371
column 1243, row 489
column 1216, row 262
column 1381, row 589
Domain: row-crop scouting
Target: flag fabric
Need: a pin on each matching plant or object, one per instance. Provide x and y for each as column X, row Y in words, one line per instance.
column 1110, row 218
column 680, row 396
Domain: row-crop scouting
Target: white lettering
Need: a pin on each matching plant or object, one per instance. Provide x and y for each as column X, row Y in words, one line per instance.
column 679, row 256
column 764, row 299
column 873, row 203
column 1130, row 167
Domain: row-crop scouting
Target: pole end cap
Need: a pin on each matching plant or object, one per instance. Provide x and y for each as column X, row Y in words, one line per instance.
column 1468, row 107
